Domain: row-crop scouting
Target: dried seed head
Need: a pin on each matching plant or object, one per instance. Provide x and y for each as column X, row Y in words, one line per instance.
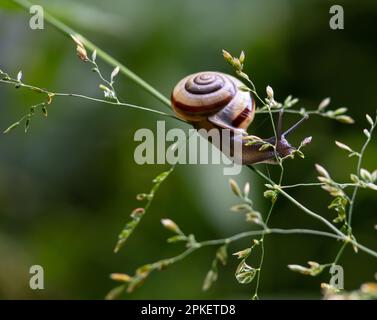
column 322, row 171
column 210, row 278
column 324, row 103
column 242, row 57
column 365, row 175
column 115, row 73
column 82, row 54
column 343, row 146
column 76, row 39
column 340, row 111
column 270, row 92
column 240, row 207
column 122, row 277
column 94, row 55
column 369, row 119
column 246, row 189
column 80, row 49
column 19, row 76
column 222, row 254
column 242, row 254
column 345, row 119
column 298, row 268
column 374, row 175
column 170, row 225
column 237, row 63
column 142, row 196
column 235, row 188
column 227, row 56
column 137, row 213
column 306, row 141
column 313, row 264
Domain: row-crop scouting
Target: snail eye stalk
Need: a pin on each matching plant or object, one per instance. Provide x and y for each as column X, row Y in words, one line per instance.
column 291, row 129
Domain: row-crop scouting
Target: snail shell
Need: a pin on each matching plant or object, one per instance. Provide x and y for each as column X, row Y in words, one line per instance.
column 215, row 97
column 214, row 100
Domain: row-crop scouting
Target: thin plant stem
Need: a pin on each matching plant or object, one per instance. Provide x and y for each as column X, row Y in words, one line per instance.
column 354, row 193
column 81, row 96
column 68, row 31
column 248, row 234
column 358, row 168
column 343, row 236
column 198, row 245
column 261, row 240
column 109, row 83
column 259, row 270
column 242, row 235
column 294, row 201
column 338, row 256
column 313, row 184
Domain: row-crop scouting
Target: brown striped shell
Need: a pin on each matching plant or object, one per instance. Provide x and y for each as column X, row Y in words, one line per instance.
column 214, row 96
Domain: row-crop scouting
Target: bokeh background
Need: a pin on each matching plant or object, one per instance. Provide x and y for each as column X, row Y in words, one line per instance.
column 68, row 186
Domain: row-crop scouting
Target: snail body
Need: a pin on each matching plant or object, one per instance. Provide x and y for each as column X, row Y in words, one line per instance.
column 214, row 100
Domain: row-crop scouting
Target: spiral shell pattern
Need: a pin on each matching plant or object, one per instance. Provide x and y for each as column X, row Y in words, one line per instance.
column 215, row 97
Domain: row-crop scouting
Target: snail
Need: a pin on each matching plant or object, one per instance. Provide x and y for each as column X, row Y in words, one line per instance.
column 214, row 100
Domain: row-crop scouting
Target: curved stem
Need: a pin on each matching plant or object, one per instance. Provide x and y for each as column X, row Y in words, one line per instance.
column 100, row 53
column 298, row 204
column 314, row 184
column 263, row 235
column 267, row 231
column 340, row 253
column 358, row 168
column 159, row 265
column 81, row 96
column 354, row 193
column 342, row 236
column 261, row 240
column 132, row 106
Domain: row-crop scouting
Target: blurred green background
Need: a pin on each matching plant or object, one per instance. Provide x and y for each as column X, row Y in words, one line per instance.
column 68, row 186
